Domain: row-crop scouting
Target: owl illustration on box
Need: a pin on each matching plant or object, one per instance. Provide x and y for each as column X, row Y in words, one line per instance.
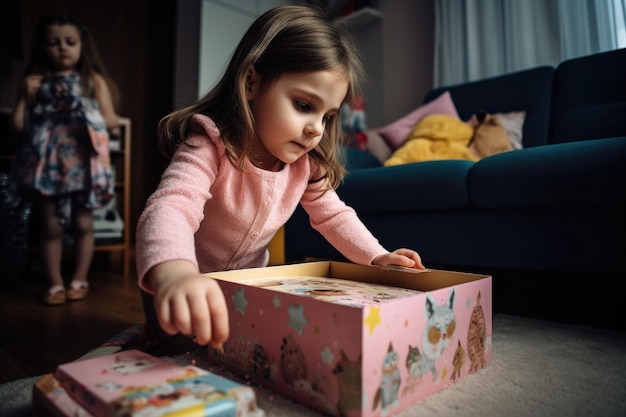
column 440, row 328
column 292, row 361
column 349, row 378
column 416, row 365
column 458, row 361
column 387, row 393
column 476, row 336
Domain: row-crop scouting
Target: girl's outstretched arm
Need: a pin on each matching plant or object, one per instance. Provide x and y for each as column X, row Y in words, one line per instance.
column 189, row 303
column 402, row 257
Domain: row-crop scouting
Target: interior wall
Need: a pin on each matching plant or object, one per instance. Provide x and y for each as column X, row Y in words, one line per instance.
column 221, row 28
column 187, row 62
column 397, row 51
column 408, row 55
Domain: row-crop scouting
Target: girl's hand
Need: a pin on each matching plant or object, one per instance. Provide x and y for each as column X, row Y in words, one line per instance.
column 26, row 96
column 30, row 86
column 402, row 257
column 189, row 303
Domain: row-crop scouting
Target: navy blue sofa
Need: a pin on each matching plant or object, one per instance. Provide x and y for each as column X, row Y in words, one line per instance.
column 558, row 205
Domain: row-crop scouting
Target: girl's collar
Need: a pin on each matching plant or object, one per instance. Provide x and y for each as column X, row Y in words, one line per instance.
column 277, row 168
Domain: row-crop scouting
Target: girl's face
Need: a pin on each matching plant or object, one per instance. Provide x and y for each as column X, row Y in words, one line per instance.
column 291, row 114
column 63, row 46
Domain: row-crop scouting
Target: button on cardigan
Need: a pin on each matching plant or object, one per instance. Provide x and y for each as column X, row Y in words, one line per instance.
column 207, row 211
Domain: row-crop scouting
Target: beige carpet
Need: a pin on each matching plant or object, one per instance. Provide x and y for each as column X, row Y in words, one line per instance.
column 539, row 369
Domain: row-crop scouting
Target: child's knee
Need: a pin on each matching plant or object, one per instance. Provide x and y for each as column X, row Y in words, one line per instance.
column 83, row 225
column 82, row 220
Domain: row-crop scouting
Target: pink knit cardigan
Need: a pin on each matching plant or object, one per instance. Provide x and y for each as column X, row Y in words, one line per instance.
column 209, row 212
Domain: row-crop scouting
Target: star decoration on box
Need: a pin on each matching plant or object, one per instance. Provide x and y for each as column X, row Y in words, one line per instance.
column 373, row 318
column 276, row 302
column 327, row 356
column 239, row 298
column 296, row 317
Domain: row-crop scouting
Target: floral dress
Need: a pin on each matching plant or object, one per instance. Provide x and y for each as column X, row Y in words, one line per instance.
column 65, row 149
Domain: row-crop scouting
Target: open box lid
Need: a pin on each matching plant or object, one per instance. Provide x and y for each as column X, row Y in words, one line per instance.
column 429, row 280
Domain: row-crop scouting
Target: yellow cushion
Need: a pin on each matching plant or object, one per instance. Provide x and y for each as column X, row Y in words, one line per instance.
column 435, row 137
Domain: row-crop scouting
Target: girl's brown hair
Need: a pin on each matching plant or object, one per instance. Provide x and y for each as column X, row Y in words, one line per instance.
column 287, row 39
column 89, row 63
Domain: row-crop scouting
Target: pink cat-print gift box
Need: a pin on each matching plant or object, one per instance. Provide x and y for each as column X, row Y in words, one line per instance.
column 353, row 340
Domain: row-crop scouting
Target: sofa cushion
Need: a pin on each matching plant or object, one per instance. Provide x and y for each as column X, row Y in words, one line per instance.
column 395, row 133
column 576, row 174
column 432, row 185
column 528, row 90
column 589, row 100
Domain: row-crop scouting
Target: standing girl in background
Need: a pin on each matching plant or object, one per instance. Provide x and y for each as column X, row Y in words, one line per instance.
column 264, row 140
column 65, row 106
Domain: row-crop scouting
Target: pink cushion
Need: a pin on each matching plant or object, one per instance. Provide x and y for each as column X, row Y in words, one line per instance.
column 395, row 133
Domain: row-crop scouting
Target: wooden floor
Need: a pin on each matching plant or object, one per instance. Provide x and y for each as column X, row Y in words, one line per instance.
column 35, row 338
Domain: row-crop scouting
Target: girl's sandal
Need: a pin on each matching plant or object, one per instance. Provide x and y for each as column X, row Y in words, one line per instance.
column 77, row 290
column 55, row 296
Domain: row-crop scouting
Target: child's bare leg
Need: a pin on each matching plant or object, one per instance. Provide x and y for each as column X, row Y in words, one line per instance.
column 51, row 241
column 83, row 241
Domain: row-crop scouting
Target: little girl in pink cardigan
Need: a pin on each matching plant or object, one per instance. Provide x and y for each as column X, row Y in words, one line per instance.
column 264, row 140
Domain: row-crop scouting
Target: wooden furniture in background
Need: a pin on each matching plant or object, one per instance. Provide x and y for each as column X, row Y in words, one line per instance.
column 120, row 162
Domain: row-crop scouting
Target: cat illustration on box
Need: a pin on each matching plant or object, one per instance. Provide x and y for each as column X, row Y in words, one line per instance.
column 439, row 330
column 458, row 361
column 292, row 361
column 477, row 336
column 416, row 366
column 126, row 367
column 349, row 377
column 387, row 393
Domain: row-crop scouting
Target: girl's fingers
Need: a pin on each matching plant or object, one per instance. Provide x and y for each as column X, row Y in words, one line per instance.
column 413, row 256
column 164, row 316
column 200, row 319
column 211, row 322
column 219, row 314
column 180, row 314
